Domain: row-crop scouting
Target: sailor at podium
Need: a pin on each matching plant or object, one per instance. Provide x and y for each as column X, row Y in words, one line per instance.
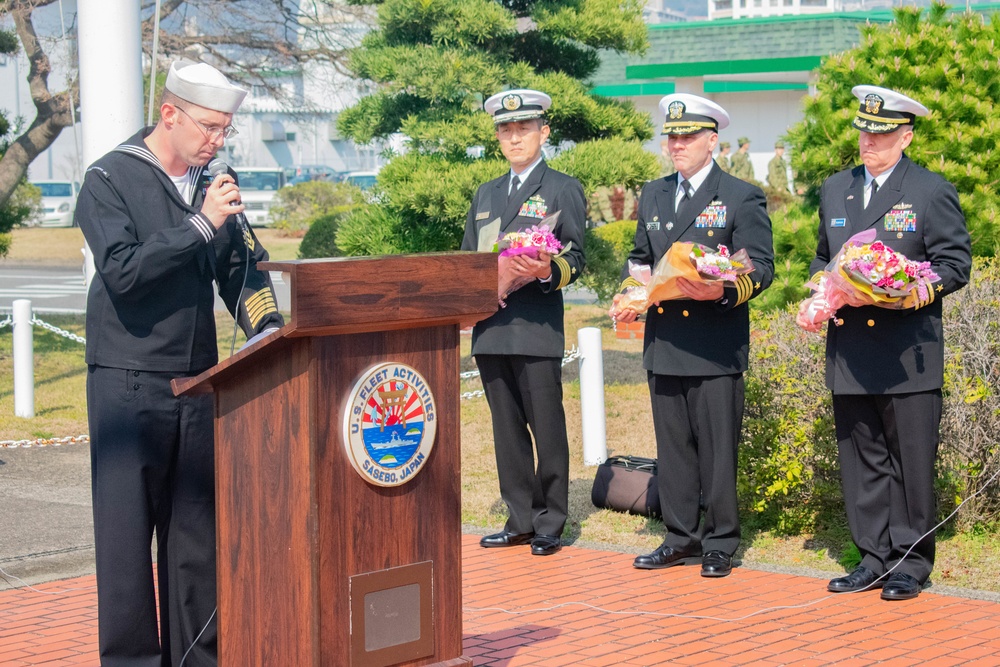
column 162, row 229
column 519, row 349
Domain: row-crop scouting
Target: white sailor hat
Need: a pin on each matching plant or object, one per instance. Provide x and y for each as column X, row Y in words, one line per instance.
column 883, row 110
column 202, row 84
column 686, row 114
column 519, row 104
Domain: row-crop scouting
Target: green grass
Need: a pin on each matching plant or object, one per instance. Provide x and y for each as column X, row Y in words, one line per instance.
column 60, row 374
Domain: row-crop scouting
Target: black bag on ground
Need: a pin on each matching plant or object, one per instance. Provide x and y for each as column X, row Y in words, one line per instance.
column 627, row 484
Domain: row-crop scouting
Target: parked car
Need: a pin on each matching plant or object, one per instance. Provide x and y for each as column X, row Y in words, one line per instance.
column 257, row 188
column 300, row 173
column 58, row 202
column 363, row 179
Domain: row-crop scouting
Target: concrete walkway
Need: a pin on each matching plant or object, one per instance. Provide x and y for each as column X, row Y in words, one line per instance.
column 590, row 608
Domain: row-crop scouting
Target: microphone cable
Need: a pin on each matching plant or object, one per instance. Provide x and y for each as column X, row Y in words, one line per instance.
column 241, row 221
column 204, row 627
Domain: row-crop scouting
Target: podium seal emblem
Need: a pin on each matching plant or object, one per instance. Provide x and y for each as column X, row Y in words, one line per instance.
column 389, row 424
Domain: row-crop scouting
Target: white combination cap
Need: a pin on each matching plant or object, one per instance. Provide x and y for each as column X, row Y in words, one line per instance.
column 519, row 104
column 883, row 110
column 686, row 114
column 202, row 84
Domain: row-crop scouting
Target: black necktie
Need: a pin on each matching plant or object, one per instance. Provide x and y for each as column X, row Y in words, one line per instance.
column 873, row 191
column 515, row 185
column 686, row 195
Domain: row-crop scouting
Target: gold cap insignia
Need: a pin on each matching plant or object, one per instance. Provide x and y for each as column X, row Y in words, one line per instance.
column 676, row 110
column 873, row 103
column 512, row 102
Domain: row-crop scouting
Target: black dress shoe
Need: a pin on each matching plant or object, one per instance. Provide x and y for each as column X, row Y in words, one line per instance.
column 545, row 545
column 716, row 564
column 505, row 538
column 861, row 579
column 665, row 556
column 900, row 586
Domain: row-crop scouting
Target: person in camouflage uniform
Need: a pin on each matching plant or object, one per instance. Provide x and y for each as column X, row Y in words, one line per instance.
column 612, row 203
column 723, row 157
column 740, row 164
column 777, row 168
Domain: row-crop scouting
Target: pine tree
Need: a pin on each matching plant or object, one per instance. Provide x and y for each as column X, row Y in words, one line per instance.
column 433, row 62
column 948, row 62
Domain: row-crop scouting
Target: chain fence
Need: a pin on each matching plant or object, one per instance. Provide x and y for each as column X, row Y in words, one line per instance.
column 59, row 332
column 569, row 356
column 44, row 442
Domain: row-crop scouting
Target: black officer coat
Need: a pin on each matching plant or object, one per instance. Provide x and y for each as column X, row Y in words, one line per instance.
column 875, row 350
column 699, row 338
column 151, row 305
column 532, row 322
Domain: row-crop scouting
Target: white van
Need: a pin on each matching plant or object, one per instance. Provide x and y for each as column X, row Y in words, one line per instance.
column 257, row 188
column 58, row 202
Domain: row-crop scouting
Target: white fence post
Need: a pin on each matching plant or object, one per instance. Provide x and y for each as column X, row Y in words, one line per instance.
column 24, row 360
column 595, row 445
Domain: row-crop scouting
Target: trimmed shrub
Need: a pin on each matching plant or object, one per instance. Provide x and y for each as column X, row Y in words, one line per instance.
column 295, row 207
column 788, row 475
column 321, row 239
column 607, row 247
column 970, row 424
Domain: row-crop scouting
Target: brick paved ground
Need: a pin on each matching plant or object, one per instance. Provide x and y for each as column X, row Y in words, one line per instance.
column 590, row 608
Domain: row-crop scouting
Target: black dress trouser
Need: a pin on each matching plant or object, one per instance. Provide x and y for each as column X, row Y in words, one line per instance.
column 152, row 471
column 697, row 421
column 525, row 392
column 888, row 445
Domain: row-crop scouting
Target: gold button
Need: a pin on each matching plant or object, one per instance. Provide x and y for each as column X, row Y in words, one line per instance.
column 871, row 323
column 684, row 313
column 660, row 310
column 839, row 321
column 899, row 235
column 711, row 233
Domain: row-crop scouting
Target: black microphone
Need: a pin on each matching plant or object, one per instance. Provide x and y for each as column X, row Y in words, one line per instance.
column 216, row 168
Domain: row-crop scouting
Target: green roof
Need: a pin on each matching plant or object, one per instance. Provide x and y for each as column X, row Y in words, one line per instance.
column 735, row 46
column 782, row 43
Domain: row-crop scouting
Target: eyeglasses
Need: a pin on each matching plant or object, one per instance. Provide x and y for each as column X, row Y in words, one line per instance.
column 226, row 132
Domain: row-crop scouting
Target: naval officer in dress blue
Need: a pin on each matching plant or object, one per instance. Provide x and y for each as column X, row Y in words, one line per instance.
column 696, row 349
column 519, row 349
column 886, row 367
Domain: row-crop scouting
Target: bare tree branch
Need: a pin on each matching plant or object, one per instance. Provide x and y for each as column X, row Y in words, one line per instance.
column 54, row 110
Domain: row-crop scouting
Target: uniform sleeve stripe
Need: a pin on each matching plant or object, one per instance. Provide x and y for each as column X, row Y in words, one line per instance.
column 744, row 289
column 202, row 226
column 629, row 282
column 564, row 272
column 259, row 305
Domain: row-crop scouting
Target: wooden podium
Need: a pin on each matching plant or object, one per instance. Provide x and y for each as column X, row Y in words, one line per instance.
column 326, row 557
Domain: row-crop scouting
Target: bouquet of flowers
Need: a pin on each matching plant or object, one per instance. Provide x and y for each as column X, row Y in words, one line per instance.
column 530, row 242
column 865, row 272
column 693, row 261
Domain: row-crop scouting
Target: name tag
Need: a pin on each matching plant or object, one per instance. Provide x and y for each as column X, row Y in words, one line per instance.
column 838, row 222
column 900, row 220
column 653, row 226
column 483, row 215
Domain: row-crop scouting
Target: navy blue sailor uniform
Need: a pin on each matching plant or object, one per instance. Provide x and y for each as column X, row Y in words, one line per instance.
column 519, row 350
column 150, row 318
column 695, row 354
column 885, row 367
